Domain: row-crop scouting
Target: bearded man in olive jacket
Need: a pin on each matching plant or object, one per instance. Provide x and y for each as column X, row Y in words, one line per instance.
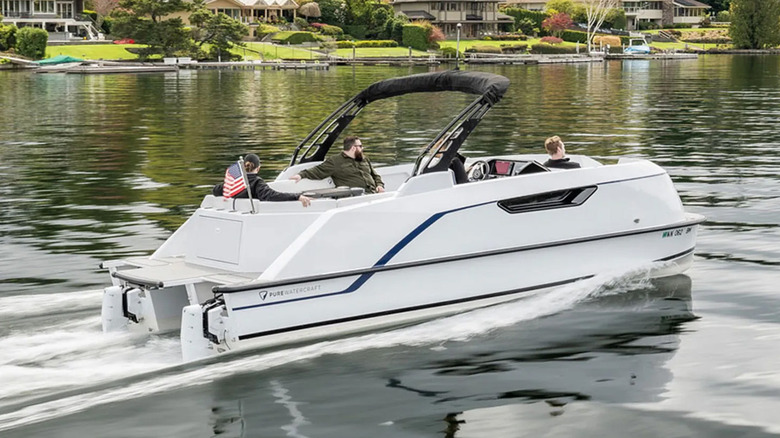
column 349, row 168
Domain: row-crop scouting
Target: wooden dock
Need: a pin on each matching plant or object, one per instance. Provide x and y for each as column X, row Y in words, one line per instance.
column 257, row 65
column 673, row 56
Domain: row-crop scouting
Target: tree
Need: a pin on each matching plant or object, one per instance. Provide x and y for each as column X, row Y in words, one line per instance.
column 218, row 30
column 557, row 23
column 333, row 11
column 311, row 9
column 565, row 6
column 755, row 24
column 595, row 12
column 145, row 21
column 103, row 8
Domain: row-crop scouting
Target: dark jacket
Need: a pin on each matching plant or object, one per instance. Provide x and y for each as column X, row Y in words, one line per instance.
column 563, row 163
column 346, row 171
column 260, row 191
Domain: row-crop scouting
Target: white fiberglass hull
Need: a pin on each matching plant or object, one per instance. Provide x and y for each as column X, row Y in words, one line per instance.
column 299, row 311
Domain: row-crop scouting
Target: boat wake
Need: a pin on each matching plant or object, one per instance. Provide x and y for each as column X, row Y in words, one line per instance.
column 71, row 366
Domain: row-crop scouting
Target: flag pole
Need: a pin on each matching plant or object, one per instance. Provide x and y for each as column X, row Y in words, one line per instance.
column 246, row 183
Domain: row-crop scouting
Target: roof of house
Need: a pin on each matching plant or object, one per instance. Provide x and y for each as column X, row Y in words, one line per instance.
column 418, row 15
column 287, row 4
column 691, row 4
column 431, row 1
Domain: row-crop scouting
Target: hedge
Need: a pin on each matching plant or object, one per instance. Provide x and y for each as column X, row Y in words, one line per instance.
column 450, row 52
column 506, row 37
column 327, row 29
column 290, row 37
column 31, row 42
column 514, row 48
column 7, row 37
column 415, row 36
column 575, row 36
column 376, row 43
column 551, row 49
column 483, row 49
column 518, row 14
column 367, row 43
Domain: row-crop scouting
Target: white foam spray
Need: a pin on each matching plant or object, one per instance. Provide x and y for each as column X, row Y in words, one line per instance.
column 100, row 358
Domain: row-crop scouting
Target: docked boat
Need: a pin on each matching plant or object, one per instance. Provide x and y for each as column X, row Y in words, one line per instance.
column 637, row 46
column 241, row 273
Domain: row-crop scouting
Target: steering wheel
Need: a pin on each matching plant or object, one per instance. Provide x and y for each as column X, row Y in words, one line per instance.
column 479, row 171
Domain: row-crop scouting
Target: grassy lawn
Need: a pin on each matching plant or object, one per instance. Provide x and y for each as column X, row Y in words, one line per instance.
column 96, row 51
column 271, row 51
column 379, row 52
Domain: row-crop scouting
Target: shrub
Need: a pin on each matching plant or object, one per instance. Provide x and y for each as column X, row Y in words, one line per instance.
column 107, row 24
column 289, row 37
column 264, row 29
column 301, row 22
column 506, row 37
column 7, row 36
column 449, row 52
column 31, row 42
column 607, row 40
column 328, row 29
column 345, row 44
column 574, row 36
column 483, row 49
column 359, row 31
column 551, row 40
column 344, row 37
column 514, row 48
column 415, row 36
column 723, row 17
column 376, row 43
column 543, row 48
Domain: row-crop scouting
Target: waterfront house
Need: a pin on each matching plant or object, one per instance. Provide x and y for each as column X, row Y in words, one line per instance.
column 660, row 12
column 253, row 11
column 477, row 17
column 63, row 19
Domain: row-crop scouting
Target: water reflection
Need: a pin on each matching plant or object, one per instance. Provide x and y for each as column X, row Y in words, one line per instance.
column 610, row 349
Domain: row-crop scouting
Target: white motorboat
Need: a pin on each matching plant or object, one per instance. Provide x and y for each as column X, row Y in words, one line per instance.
column 243, row 273
column 637, row 46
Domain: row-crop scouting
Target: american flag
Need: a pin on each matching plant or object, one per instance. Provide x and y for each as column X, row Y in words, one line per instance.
column 234, row 181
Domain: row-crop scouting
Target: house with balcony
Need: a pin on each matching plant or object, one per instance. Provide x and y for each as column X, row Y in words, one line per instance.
column 254, row 11
column 660, row 12
column 63, row 19
column 476, row 17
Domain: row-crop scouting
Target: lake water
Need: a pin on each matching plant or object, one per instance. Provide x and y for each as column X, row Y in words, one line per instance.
column 102, row 167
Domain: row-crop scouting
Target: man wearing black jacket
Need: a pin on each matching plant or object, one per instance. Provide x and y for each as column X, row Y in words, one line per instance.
column 260, row 189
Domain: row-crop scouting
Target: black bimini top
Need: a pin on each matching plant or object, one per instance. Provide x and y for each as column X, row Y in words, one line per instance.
column 490, row 85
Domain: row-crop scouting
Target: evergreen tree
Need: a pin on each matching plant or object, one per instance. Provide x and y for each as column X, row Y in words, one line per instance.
column 148, row 22
column 219, row 31
column 755, row 24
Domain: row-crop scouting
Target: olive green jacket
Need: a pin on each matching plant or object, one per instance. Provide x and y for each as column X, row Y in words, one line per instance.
column 346, row 171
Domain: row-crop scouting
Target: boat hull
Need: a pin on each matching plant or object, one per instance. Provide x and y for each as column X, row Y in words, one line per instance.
column 296, row 311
